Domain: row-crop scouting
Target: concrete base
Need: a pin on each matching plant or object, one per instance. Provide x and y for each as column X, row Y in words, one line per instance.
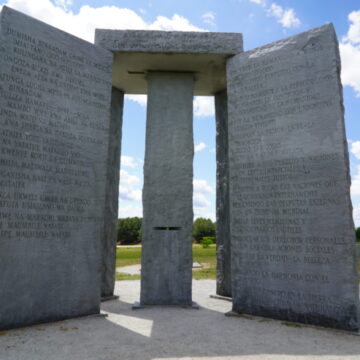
column 108, row 298
column 220, row 297
column 136, row 306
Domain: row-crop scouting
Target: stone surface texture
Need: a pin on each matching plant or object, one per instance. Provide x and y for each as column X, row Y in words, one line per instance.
column 109, row 236
column 167, row 194
column 146, row 41
column 137, row 52
column 223, row 246
column 293, row 247
column 55, row 113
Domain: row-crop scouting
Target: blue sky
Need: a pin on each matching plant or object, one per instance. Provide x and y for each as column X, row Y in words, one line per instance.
column 260, row 21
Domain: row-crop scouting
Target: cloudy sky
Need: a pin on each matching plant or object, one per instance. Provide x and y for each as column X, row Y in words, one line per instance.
column 260, row 21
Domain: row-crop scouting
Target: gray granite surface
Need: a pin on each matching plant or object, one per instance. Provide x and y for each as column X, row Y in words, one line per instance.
column 109, row 236
column 136, row 52
column 166, row 265
column 55, row 113
column 293, row 246
column 146, row 41
column 223, row 245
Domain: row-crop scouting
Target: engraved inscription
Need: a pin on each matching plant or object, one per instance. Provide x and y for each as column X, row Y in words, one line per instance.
column 40, row 139
column 291, row 219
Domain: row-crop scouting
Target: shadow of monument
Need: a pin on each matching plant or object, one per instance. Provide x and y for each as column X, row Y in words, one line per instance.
column 185, row 333
column 172, row 333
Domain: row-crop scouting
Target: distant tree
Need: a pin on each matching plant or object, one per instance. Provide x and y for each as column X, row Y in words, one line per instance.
column 357, row 232
column 129, row 231
column 206, row 241
column 203, row 227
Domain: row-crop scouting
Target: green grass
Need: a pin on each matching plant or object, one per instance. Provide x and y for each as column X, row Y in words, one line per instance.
column 207, row 258
column 129, row 255
column 123, row 276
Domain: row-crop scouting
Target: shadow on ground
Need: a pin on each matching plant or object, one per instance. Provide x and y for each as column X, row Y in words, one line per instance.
column 174, row 333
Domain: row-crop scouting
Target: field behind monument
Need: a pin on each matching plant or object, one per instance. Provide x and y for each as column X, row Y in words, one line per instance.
column 131, row 255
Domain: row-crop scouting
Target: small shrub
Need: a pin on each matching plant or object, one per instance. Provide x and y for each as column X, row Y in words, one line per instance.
column 206, row 241
column 202, row 228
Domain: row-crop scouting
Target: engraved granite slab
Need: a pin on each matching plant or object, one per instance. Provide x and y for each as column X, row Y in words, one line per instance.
column 109, row 236
column 55, row 113
column 223, row 239
column 293, row 246
column 166, row 258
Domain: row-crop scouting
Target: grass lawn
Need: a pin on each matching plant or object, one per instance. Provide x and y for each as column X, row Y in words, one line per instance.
column 130, row 255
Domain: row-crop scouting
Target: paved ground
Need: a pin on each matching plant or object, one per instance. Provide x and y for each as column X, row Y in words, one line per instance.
column 174, row 333
column 131, row 269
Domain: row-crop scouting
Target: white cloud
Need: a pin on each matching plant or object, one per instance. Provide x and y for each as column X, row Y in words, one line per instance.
column 355, row 183
column 200, row 201
column 259, row 2
column 127, row 187
column 65, row 4
column 350, row 59
column 356, row 215
column 204, row 213
column 130, row 211
column 128, row 161
column 350, row 54
column 209, row 18
column 202, row 187
column 140, row 99
column 84, row 23
column 129, row 194
column 204, row 106
column 355, row 149
column 353, row 34
column 200, row 147
column 177, row 22
column 286, row 17
column 129, row 179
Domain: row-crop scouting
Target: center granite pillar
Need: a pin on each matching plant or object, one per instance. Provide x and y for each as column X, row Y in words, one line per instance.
column 166, row 268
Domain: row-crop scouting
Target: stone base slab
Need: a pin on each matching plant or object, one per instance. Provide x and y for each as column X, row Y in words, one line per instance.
column 108, row 298
column 136, row 306
column 220, row 297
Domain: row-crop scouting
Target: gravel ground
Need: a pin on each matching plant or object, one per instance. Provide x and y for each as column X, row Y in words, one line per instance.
column 174, row 333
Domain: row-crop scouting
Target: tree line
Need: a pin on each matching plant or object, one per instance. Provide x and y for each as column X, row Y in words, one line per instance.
column 129, row 230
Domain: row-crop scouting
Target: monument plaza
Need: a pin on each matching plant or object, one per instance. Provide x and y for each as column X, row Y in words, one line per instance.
column 285, row 233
